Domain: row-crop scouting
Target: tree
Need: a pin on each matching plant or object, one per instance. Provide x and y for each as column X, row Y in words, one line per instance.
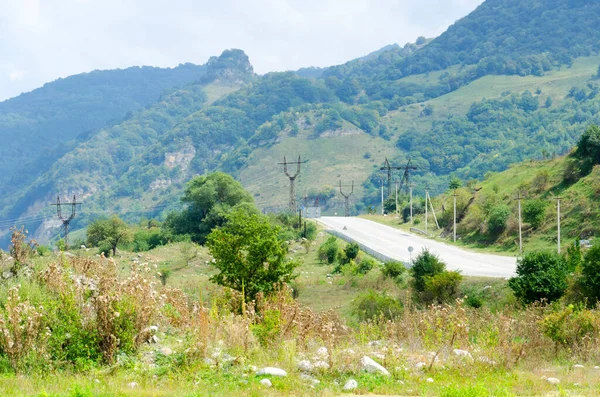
column 455, row 183
column 590, row 272
column 588, row 148
column 534, row 212
column 209, row 200
column 497, row 219
column 425, row 265
column 249, row 256
column 540, row 275
column 109, row 232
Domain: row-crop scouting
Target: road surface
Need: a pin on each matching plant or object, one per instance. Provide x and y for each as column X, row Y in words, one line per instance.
column 394, row 243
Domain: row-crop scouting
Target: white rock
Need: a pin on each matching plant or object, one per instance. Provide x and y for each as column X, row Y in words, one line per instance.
column 271, row 371
column 305, row 366
column 420, row 365
column 578, row 366
column 97, row 380
column 596, row 367
column 153, row 328
column 462, row 353
column 167, row 351
column 553, row 381
column 82, row 247
column 322, row 352
column 154, row 339
column 132, row 385
column 321, row 365
column 266, row 382
column 369, row 365
column 209, row 361
column 351, row 385
column 429, row 380
column 486, row 360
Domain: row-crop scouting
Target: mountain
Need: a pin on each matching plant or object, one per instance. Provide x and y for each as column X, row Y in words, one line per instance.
column 438, row 102
column 38, row 127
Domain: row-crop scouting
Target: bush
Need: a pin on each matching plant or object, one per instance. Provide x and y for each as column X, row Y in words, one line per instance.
column 351, row 251
column 373, row 305
column 443, row 287
column 425, row 265
column 328, row 251
column 590, row 274
column 534, row 212
column 497, row 219
column 540, row 275
column 365, row 266
column 571, row 327
column 393, row 269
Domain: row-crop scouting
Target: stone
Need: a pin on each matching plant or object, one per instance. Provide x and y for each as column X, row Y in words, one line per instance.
column 271, row 371
column 154, row 339
column 266, row 382
column 132, row 385
column 350, row 385
column 596, row 367
column 305, row 366
column 429, row 380
column 83, row 247
column 420, row 365
column 322, row 352
column 369, row 365
column 553, row 381
column 578, row 366
column 167, row 351
column 462, row 353
column 321, row 365
column 7, row 275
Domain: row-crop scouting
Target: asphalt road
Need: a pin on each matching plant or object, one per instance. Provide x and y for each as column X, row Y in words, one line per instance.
column 394, row 243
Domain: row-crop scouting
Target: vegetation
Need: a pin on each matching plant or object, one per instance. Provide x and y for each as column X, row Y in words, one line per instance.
column 108, row 234
column 540, row 276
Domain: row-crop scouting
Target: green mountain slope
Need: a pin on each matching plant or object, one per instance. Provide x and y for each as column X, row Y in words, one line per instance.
column 38, row 127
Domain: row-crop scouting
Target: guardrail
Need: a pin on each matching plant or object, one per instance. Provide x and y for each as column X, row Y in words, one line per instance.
column 364, row 248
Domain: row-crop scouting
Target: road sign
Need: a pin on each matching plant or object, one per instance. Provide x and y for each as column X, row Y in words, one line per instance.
column 410, row 249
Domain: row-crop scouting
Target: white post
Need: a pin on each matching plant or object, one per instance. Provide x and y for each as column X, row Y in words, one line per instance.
column 455, row 216
column 396, row 199
column 411, row 212
column 426, row 195
column 520, row 233
column 558, row 221
column 433, row 212
column 382, row 213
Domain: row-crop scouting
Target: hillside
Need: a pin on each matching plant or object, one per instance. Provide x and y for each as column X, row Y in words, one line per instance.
column 38, row 127
column 344, row 120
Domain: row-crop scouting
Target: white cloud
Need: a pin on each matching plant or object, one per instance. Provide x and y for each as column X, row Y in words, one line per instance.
column 58, row 38
column 16, row 75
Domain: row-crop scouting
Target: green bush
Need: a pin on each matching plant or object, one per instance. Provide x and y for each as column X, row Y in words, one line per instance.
column 540, row 275
column 351, row 251
column 373, row 305
column 497, row 219
column 328, row 251
column 393, row 269
column 571, row 327
column 42, row 250
column 269, row 328
column 590, row 274
column 534, row 212
column 442, row 287
column 147, row 239
column 365, row 266
column 425, row 265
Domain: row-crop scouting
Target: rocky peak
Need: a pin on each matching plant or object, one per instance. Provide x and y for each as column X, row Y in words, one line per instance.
column 231, row 67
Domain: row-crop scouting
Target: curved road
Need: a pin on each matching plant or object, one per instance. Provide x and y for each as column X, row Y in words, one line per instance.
column 394, row 243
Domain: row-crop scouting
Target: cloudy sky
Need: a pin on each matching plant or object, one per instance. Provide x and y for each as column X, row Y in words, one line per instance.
column 42, row 40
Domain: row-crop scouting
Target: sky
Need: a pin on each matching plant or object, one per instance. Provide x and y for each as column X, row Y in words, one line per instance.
column 42, row 40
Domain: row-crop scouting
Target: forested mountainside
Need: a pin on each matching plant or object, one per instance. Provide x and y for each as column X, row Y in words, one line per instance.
column 438, row 102
column 36, row 128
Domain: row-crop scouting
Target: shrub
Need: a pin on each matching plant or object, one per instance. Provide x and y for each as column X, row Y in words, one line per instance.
column 540, row 275
column 373, row 305
column 442, row 287
column 365, row 266
column 497, row 219
column 328, row 251
column 572, row 327
column 393, row 269
column 269, row 328
column 351, row 251
column 20, row 249
column 534, row 212
column 590, row 274
column 425, row 265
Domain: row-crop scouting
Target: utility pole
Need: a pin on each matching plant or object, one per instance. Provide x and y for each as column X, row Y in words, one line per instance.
column 558, row 220
column 433, row 211
column 389, row 168
column 411, row 203
column 520, row 232
column 68, row 219
column 454, row 215
column 292, row 178
column 426, row 195
column 346, row 198
column 382, row 211
column 396, row 199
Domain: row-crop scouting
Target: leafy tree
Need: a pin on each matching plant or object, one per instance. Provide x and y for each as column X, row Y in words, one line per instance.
column 109, row 232
column 328, row 251
column 455, row 183
column 497, row 219
column 425, row 265
column 590, row 272
column 351, row 251
column 249, row 256
column 443, row 287
column 209, row 199
column 540, row 275
column 534, row 212
column 393, row 269
column 588, row 148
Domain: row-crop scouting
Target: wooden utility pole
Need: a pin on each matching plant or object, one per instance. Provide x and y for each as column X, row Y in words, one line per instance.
column 558, row 221
column 454, row 215
column 520, row 231
column 433, row 211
